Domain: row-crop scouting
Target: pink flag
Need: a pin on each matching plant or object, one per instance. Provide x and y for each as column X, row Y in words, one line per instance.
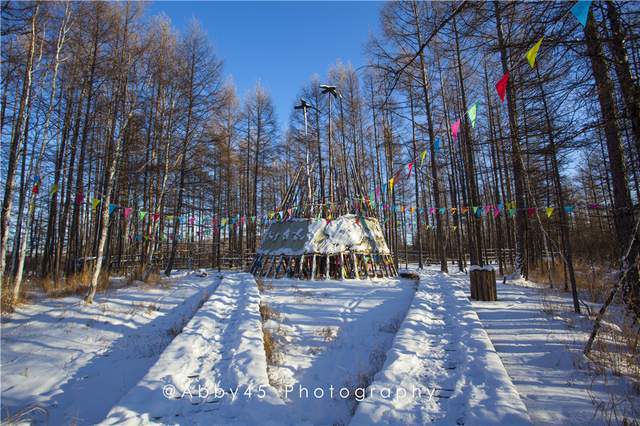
column 501, row 86
column 156, row 216
column 127, row 211
column 192, row 220
column 409, row 166
column 455, row 128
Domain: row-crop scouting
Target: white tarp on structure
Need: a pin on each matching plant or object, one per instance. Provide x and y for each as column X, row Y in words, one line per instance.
column 346, row 233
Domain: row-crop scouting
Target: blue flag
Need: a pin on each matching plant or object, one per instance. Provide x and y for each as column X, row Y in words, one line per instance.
column 436, row 144
column 581, row 11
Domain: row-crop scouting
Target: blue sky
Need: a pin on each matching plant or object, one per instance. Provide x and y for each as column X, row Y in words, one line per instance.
column 282, row 44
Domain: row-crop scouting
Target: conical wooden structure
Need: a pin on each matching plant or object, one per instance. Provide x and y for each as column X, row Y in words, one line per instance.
column 306, row 243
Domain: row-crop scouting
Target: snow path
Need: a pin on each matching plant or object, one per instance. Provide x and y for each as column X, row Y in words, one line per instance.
column 542, row 351
column 76, row 360
column 333, row 336
column 221, row 348
column 444, row 361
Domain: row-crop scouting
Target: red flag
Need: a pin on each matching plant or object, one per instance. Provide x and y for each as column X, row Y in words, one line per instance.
column 156, row 216
column 454, row 128
column 501, row 86
column 409, row 166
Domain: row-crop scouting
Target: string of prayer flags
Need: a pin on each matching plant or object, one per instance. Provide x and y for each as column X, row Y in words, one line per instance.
column 549, row 211
column 112, row 208
column 581, row 11
column 455, row 128
column 141, row 214
column 422, row 156
column 501, row 86
column 94, row 203
column 533, row 52
column 472, row 113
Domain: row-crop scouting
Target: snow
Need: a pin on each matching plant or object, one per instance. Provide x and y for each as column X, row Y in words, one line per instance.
column 481, row 268
column 404, row 352
column 333, row 335
column 446, row 364
column 540, row 341
column 58, row 352
column 220, row 349
column 345, row 233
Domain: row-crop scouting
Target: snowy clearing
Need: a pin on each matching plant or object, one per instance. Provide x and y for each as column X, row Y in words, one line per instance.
column 442, row 351
column 540, row 341
column 332, row 334
column 220, row 349
column 75, row 360
column 384, row 351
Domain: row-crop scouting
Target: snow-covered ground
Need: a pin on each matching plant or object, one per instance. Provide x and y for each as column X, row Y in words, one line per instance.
column 214, row 372
column 385, row 351
column 442, row 367
column 333, row 337
column 540, row 341
column 65, row 362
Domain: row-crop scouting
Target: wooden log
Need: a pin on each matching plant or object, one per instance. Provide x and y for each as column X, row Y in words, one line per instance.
column 313, row 267
column 300, row 267
column 355, row 266
column 326, row 272
column 482, row 283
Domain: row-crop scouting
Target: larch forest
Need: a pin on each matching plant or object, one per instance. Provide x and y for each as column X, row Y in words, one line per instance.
column 477, row 133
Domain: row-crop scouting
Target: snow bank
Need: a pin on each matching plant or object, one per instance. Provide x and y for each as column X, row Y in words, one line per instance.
column 444, row 361
column 345, row 233
column 207, row 372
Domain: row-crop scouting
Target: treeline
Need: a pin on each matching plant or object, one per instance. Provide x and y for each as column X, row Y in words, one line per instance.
column 114, row 129
column 473, row 145
column 124, row 141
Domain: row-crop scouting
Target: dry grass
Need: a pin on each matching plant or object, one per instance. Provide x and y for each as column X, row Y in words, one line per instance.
column 271, row 341
column 328, row 334
column 266, row 313
column 592, row 280
column 616, row 352
column 75, row 284
column 6, row 298
column 271, row 347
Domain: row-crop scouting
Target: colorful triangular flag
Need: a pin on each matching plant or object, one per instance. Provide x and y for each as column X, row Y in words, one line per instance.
column 533, row 52
column 581, row 11
column 472, row 113
column 501, row 86
column 455, row 127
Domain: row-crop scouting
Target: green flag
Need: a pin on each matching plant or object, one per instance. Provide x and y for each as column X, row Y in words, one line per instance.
column 472, row 114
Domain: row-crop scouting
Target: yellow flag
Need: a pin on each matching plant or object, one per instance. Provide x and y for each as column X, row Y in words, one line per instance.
column 391, row 185
column 95, row 203
column 424, row 154
column 54, row 189
column 549, row 211
column 533, row 52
